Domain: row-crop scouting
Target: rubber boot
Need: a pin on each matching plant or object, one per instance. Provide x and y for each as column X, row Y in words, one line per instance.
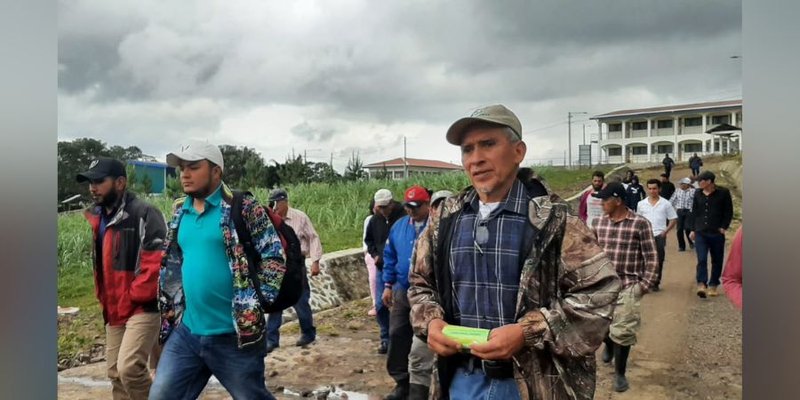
column 608, row 350
column 400, row 391
column 620, row 365
column 418, row 392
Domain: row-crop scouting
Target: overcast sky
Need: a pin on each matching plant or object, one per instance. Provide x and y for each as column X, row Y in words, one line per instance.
column 338, row 76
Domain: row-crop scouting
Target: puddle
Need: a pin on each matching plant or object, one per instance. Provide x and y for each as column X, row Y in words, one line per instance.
column 213, row 383
column 84, row 381
column 334, row 394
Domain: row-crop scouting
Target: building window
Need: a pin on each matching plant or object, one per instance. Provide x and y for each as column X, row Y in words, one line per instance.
column 720, row 119
column 614, row 151
column 695, row 121
column 664, row 123
column 615, row 127
column 638, row 126
column 693, row 148
column 664, row 148
column 639, row 150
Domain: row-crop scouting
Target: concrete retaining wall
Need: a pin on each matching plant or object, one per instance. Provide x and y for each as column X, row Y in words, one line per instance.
column 343, row 277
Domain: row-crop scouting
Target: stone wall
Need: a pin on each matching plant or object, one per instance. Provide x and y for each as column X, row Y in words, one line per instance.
column 343, row 277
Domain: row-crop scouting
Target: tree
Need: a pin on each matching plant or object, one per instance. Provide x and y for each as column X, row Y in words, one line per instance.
column 147, row 185
column 125, row 154
column 75, row 156
column 173, row 188
column 355, row 168
column 294, row 170
column 244, row 167
column 383, row 174
column 323, row 172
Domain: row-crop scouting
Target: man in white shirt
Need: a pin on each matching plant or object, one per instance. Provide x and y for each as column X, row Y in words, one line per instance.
column 662, row 216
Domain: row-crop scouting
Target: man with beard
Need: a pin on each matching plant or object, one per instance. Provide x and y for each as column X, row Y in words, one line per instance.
column 591, row 207
column 387, row 212
column 128, row 234
column 213, row 320
column 506, row 255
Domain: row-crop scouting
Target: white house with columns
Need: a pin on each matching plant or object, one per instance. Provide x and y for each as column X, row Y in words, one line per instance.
column 647, row 134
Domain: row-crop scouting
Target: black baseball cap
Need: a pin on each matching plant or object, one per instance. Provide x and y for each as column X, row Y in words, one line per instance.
column 101, row 168
column 612, row 189
column 706, row 175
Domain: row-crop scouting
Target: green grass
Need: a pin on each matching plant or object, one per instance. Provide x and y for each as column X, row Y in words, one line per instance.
column 336, row 210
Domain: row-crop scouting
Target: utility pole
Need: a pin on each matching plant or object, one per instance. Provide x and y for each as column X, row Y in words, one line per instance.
column 569, row 134
column 584, row 134
column 405, row 161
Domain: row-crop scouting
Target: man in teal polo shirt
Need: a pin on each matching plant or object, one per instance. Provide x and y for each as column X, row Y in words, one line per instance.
column 212, row 321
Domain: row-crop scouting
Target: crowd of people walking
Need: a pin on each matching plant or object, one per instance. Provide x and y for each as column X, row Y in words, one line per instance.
column 203, row 293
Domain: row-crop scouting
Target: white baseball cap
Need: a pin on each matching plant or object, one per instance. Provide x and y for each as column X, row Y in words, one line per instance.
column 441, row 194
column 686, row 181
column 383, row 197
column 195, row 151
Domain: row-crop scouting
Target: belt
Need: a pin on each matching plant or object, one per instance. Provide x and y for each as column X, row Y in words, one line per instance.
column 493, row 369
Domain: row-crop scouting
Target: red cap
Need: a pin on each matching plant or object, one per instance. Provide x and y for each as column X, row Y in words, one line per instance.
column 416, row 195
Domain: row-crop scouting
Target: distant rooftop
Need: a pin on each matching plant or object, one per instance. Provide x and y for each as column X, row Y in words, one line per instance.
column 414, row 162
column 671, row 109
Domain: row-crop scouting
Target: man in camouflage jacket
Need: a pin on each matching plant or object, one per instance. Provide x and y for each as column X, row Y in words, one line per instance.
column 566, row 288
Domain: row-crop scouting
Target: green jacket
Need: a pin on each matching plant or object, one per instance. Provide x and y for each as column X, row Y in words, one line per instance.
column 562, row 330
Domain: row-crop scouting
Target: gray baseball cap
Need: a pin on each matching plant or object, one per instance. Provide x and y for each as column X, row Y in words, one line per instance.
column 278, row 195
column 496, row 113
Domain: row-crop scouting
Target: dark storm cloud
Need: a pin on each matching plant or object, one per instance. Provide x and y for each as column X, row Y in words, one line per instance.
column 390, row 62
column 311, row 133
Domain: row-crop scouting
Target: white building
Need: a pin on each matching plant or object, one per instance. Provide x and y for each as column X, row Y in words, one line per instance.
column 396, row 167
column 647, row 134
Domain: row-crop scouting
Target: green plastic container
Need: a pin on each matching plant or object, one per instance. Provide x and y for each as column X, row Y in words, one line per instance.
column 466, row 336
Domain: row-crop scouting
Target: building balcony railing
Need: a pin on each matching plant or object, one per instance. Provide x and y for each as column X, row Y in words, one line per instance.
column 639, row 133
column 690, row 130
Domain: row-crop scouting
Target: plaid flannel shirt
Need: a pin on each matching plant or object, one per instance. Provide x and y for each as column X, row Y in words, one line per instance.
column 486, row 275
column 631, row 247
column 682, row 199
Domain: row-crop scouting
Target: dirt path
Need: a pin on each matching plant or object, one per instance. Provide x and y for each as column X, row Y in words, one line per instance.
column 688, row 349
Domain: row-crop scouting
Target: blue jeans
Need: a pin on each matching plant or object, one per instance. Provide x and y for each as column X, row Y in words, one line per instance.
column 381, row 310
column 188, row 361
column 304, row 316
column 475, row 385
column 705, row 242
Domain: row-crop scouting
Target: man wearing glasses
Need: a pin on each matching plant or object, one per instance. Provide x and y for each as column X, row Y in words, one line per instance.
column 506, row 255
column 128, row 235
column 396, row 260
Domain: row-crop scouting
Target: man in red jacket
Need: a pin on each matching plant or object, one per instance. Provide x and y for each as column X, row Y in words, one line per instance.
column 128, row 234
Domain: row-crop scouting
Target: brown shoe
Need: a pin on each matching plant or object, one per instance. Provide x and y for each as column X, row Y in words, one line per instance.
column 712, row 291
column 701, row 291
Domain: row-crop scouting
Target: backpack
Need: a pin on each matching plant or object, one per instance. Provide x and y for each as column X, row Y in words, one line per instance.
column 292, row 284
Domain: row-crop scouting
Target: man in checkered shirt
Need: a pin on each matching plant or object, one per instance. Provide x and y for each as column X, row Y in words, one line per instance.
column 628, row 241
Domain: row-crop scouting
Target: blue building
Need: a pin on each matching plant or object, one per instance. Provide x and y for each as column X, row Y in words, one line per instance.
column 156, row 171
